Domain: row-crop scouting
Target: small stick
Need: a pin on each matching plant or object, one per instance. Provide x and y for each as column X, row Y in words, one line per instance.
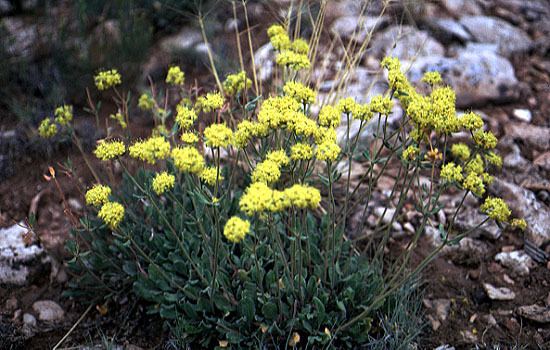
column 72, row 328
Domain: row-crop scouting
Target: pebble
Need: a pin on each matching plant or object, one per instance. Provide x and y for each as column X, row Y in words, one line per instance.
column 496, row 293
column 537, row 313
column 48, row 310
column 523, row 115
column 29, row 320
column 517, row 260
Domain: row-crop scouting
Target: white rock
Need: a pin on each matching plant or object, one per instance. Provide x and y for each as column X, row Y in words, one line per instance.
column 48, row 310
column 406, row 43
column 523, row 114
column 183, row 40
column 15, row 257
column 357, row 28
column 264, row 61
column 517, row 260
column 509, row 38
column 495, row 293
column 446, row 28
column 29, row 320
column 385, row 213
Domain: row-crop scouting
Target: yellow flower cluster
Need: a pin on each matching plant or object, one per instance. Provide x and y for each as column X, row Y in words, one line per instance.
column 98, row 195
column 328, row 151
column 300, row 46
column 432, row 78
column 146, row 102
column 471, row 121
column 107, row 150
column 64, row 114
column 380, row 104
column 474, row 183
column 301, row 151
column 484, row 139
column 236, row 229
column 188, row 159
column 189, row 137
column 496, row 209
column 185, row 116
column 301, row 125
column 519, row 223
column 153, row 149
column 494, row 159
column 47, row 129
column 299, row 92
column 259, row 198
column 293, row 60
column 278, row 37
column 460, row 151
column 290, row 54
column 399, row 83
column 209, row 102
column 107, row 79
column 411, row 152
column 330, row 116
column 347, row 105
column 119, row 117
column 451, row 172
column 277, row 112
column 235, row 83
column 246, row 130
column 218, row 135
column 210, row 175
column 266, row 172
column 163, row 182
column 112, row 214
column 278, row 157
column 175, row 76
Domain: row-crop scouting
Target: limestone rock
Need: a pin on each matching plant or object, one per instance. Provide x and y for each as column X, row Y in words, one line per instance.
column 495, row 293
column 49, row 311
column 406, row 43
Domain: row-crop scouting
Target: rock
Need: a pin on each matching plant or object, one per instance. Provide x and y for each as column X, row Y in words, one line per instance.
column 264, row 60
column 29, row 320
column 517, row 260
column 5, row 7
column 469, row 336
column 18, row 262
column 534, row 136
column 409, row 227
column 523, row 115
column 514, row 159
column 185, row 39
column 386, row 214
column 446, row 30
column 510, row 39
column 476, row 76
column 441, row 307
column 445, row 347
column 525, row 204
column 406, row 43
column 543, row 161
column 49, row 311
column 459, row 8
column 495, row 293
column 540, row 314
column 358, row 28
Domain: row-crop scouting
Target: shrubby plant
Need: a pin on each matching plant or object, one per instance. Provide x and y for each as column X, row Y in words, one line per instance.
column 233, row 233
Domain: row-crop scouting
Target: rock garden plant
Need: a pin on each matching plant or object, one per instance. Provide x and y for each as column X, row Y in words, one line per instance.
column 229, row 220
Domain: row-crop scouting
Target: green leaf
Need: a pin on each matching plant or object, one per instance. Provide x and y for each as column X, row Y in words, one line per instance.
column 247, row 308
column 270, row 310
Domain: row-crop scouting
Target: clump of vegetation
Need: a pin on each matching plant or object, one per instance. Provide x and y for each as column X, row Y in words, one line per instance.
column 233, row 234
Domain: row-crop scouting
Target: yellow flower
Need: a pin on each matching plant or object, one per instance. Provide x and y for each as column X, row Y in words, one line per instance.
column 328, row 151
column 302, row 197
column 330, row 116
column 280, row 42
column 325, row 135
column 107, row 150
column 519, row 223
column 496, row 209
column 235, row 83
column 175, row 76
column 302, row 125
column 301, row 151
column 410, row 152
column 258, row 198
column 185, row 116
column 299, row 92
column 382, row 105
column 146, row 102
column 347, row 105
column 275, row 112
column 278, row 157
column 47, row 129
column 293, row 60
column 300, row 46
column 188, row 159
column 474, row 183
column 432, row 78
column 494, row 159
column 218, row 135
column 112, row 214
column 363, row 112
column 451, row 172
column 210, row 102
column 163, row 182
column 120, row 119
column 475, row 165
column 484, row 139
column 267, row 172
column 64, row 114
column 107, row 78
column 460, row 151
column 236, row 229
column 98, row 195
column 471, row 121
column 210, row 174
column 153, row 149
column 443, row 111
column 189, row 137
